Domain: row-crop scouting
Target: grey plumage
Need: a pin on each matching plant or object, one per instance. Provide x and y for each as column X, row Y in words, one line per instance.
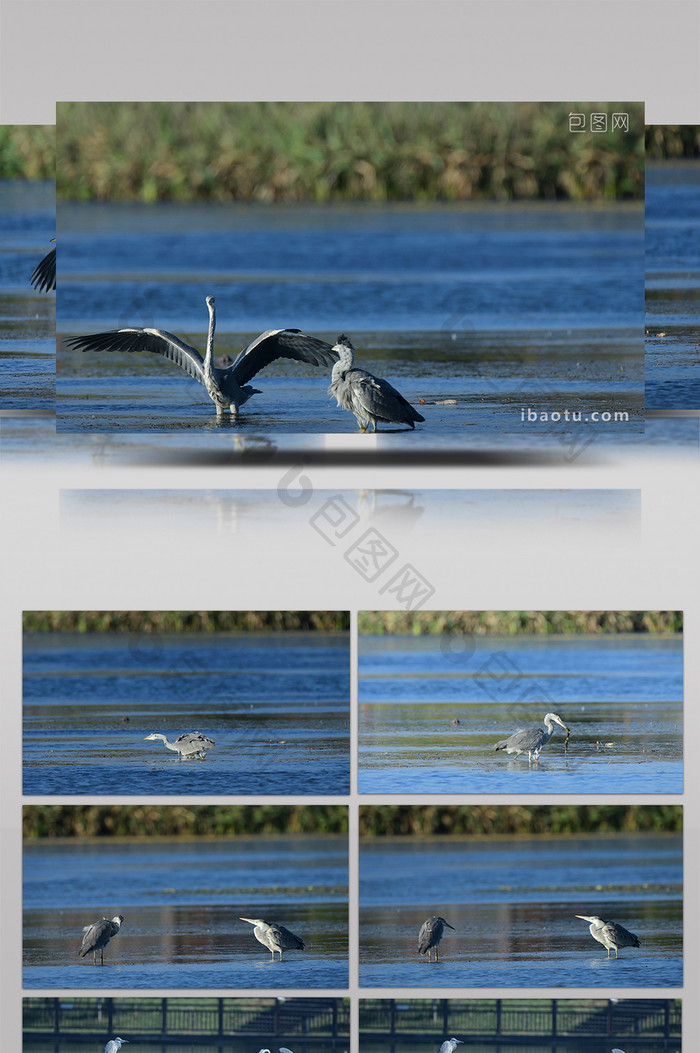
column 98, row 935
column 115, row 1044
column 609, row 933
column 282, row 1049
column 190, row 744
column 227, row 388
column 450, row 1045
column 531, row 740
column 44, row 275
column 275, row 937
column 371, row 399
column 430, row 935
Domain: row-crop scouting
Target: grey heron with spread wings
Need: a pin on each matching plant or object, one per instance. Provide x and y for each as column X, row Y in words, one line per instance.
column 227, row 388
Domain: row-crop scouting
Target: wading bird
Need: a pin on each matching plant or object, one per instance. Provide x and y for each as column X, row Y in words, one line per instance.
column 227, row 388
column 275, row 937
column 450, row 1044
column 609, row 933
column 191, row 744
column 531, row 740
column 98, row 935
column 115, row 1044
column 282, row 1049
column 369, row 398
column 430, row 935
column 44, row 275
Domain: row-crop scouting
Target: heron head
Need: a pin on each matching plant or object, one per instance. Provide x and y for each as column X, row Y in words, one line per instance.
column 210, row 301
column 554, row 718
column 592, row 918
column 343, row 341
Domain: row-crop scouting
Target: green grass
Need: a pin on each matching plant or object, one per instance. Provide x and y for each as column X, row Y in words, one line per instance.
column 341, row 151
column 510, row 623
column 197, row 820
column 397, row 820
column 149, row 622
column 27, row 151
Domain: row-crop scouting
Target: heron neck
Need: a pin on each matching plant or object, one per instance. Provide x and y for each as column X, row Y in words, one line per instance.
column 208, row 358
column 346, row 360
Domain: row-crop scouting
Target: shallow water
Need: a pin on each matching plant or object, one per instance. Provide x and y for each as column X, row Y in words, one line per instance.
column 563, row 1045
column 276, row 705
column 512, row 903
column 27, row 317
column 475, row 313
column 432, row 708
column 181, row 901
column 228, row 1043
column 672, row 285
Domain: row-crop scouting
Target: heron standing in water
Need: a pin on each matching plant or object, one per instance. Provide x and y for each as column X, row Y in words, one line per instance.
column 98, row 935
column 227, row 388
column 531, row 740
column 115, row 1044
column 450, row 1045
column 44, row 275
column 430, row 935
column 609, row 933
column 191, row 744
column 274, row 937
column 369, row 398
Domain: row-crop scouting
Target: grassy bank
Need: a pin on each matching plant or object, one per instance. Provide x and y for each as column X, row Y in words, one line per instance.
column 181, row 820
column 672, row 142
column 434, row 820
column 340, row 151
column 27, row 151
column 184, row 621
column 508, row 623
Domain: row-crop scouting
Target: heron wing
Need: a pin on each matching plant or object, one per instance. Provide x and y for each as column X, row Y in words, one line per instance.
column 44, row 275
column 620, row 935
column 380, row 399
column 158, row 341
column 194, row 738
column 284, row 938
column 424, row 937
column 280, row 343
column 94, row 935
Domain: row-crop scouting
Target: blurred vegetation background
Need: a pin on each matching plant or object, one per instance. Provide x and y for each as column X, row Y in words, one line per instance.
column 184, row 621
column 180, row 820
column 509, row 623
column 342, row 151
column 541, row 819
column 27, row 151
column 672, row 142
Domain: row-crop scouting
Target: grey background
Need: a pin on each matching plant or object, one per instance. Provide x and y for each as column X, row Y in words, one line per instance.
column 356, row 50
